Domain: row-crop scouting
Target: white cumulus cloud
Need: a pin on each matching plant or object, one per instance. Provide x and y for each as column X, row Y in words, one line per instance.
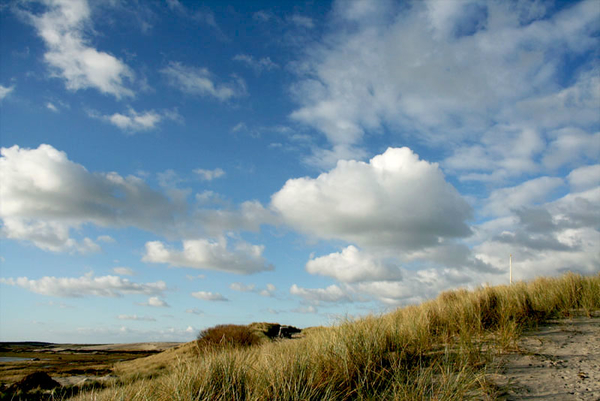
column 70, row 56
column 44, row 195
column 245, row 258
column 351, row 265
column 395, row 200
column 157, row 302
column 209, row 296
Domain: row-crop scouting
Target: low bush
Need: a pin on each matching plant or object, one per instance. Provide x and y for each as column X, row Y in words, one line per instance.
column 228, row 335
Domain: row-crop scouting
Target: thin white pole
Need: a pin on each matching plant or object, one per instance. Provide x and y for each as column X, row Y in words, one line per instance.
column 510, row 264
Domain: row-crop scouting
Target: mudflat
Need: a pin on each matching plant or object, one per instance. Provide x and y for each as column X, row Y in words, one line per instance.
column 69, row 363
column 560, row 360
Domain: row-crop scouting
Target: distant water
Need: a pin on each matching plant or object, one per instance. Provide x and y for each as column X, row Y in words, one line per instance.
column 12, row 359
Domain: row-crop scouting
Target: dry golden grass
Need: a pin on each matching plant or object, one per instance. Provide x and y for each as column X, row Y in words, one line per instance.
column 438, row 350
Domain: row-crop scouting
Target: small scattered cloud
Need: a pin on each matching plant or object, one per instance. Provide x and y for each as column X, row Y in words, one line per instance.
column 132, row 121
column 209, row 296
column 258, row 65
column 62, row 26
column 50, row 106
column 194, row 311
column 241, row 126
column 331, row 294
column 191, row 277
column 106, row 239
column 203, row 16
column 310, row 309
column 176, row 5
column 302, row 21
column 5, row 91
column 240, row 287
column 136, row 317
column 53, row 304
column 262, row 16
column 123, row 271
column 156, row 302
column 200, row 81
column 209, row 175
column 88, row 285
column 268, row 291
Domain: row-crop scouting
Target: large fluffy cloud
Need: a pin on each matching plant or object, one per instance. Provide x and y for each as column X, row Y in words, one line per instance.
column 62, row 26
column 211, row 255
column 44, row 194
column 351, row 265
column 545, row 234
column 394, row 200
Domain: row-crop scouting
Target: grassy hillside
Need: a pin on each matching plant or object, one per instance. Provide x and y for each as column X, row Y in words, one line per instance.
column 439, row 350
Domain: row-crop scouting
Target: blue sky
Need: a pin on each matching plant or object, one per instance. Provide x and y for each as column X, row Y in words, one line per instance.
column 168, row 166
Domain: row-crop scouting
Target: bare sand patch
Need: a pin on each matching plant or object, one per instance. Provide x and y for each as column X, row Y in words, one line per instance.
column 560, row 360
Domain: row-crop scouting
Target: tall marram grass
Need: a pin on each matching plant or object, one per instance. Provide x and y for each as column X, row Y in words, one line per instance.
column 438, row 350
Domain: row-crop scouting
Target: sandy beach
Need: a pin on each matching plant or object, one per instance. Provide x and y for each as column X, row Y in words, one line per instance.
column 560, row 360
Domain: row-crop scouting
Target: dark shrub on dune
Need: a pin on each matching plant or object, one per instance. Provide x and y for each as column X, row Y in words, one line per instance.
column 228, row 335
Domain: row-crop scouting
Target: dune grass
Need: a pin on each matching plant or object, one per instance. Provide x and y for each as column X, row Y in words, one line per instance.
column 438, row 350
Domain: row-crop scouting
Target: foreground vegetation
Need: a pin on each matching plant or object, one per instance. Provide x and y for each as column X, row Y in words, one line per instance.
column 439, row 350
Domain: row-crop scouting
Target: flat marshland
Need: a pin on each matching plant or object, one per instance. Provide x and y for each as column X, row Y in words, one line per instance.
column 443, row 349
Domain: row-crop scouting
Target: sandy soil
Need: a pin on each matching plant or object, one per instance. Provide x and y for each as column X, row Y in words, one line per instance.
column 558, row 361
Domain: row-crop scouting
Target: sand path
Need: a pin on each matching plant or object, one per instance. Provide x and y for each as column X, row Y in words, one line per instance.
column 558, row 361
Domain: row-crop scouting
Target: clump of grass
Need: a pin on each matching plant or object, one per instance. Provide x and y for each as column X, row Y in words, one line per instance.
column 437, row 350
